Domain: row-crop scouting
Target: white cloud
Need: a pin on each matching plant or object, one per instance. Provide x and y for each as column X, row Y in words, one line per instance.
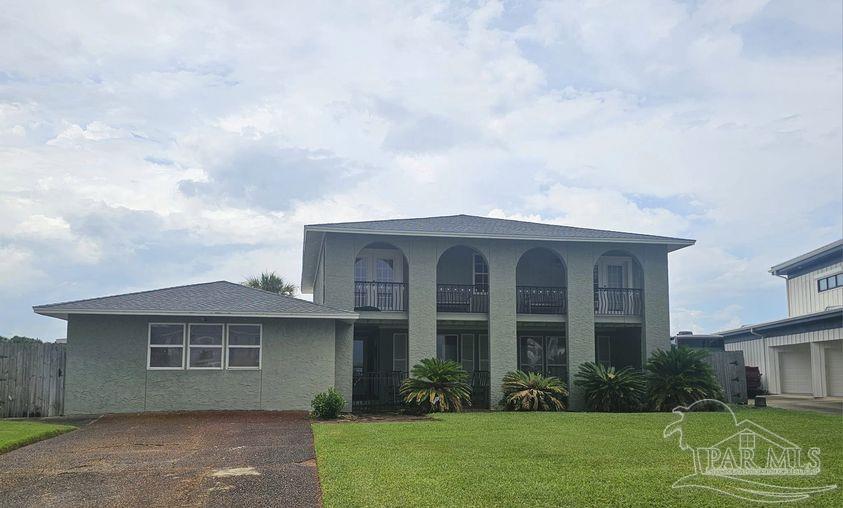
column 163, row 144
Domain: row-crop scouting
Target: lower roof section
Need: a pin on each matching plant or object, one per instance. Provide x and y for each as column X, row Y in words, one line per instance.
column 220, row 298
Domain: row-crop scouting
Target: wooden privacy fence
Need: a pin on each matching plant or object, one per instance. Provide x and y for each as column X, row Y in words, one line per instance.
column 32, row 379
column 730, row 371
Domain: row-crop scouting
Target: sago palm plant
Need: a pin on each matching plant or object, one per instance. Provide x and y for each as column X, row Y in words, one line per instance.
column 680, row 376
column 531, row 391
column 610, row 390
column 437, row 385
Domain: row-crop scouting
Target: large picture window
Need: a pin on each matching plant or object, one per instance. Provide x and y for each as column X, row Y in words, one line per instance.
column 244, row 347
column 166, row 346
column 205, row 344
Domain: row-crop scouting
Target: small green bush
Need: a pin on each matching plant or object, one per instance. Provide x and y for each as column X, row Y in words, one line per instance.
column 327, row 405
column 610, row 390
column 531, row 391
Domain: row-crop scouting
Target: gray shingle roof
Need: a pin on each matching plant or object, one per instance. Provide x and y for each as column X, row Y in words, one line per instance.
column 471, row 225
column 468, row 226
column 221, row 298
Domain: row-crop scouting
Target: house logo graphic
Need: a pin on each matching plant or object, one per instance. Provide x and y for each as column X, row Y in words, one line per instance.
column 740, row 450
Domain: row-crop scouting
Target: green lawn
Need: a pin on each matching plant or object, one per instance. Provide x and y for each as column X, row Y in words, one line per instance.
column 17, row 433
column 546, row 459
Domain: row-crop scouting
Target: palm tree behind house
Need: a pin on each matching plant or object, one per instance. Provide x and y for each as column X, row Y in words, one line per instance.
column 272, row 282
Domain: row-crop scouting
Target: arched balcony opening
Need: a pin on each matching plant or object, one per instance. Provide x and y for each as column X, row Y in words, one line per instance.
column 380, row 278
column 462, row 281
column 540, row 280
column 618, row 285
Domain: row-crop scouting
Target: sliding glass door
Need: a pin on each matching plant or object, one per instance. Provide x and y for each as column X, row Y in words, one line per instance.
column 545, row 354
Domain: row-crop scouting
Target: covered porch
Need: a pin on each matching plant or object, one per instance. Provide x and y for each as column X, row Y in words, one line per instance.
column 619, row 345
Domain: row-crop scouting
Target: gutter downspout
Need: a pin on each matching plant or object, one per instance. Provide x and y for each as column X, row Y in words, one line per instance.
column 764, row 348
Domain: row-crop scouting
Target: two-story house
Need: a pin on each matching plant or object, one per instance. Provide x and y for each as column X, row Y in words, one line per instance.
column 495, row 295
column 803, row 353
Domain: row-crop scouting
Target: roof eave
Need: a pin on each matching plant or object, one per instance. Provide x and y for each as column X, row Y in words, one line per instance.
column 807, row 318
column 64, row 313
column 795, row 263
column 678, row 242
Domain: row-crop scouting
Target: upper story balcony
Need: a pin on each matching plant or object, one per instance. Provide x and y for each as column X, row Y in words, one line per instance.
column 380, row 279
column 541, row 281
column 462, row 276
column 618, row 281
column 462, row 281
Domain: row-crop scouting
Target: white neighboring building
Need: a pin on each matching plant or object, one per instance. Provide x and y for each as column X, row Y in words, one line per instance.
column 802, row 354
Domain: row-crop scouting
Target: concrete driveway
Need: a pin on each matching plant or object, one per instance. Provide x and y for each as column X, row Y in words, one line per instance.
column 203, row 458
column 829, row 405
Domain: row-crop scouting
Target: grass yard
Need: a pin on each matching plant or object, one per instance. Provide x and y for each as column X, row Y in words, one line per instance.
column 17, row 433
column 482, row 459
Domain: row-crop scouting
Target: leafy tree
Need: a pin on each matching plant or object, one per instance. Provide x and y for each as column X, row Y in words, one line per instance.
column 272, row 282
column 610, row 390
column 679, row 377
column 18, row 339
column 437, row 385
column 531, row 391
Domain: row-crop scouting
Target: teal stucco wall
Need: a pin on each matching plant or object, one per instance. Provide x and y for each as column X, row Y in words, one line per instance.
column 107, row 356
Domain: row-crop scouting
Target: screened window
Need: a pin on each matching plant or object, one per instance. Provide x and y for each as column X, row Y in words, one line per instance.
column 399, row 352
column 166, row 346
column 470, row 350
column 483, row 351
column 384, row 270
column 244, row 347
column 361, row 266
column 205, row 344
column 448, row 347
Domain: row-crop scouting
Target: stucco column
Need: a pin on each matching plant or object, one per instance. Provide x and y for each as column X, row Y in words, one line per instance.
column 656, row 326
column 503, row 348
column 344, row 360
column 422, row 301
column 580, row 263
column 339, row 270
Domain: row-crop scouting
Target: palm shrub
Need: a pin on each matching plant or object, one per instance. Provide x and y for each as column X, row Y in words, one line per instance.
column 680, row 376
column 610, row 390
column 531, row 391
column 436, row 385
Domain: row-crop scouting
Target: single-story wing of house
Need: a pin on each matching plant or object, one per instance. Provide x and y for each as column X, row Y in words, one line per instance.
column 216, row 345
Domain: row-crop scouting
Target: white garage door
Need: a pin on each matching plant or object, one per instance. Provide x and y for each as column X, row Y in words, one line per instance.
column 795, row 369
column 834, row 369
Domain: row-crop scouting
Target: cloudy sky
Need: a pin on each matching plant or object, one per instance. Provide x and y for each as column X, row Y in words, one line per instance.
column 147, row 144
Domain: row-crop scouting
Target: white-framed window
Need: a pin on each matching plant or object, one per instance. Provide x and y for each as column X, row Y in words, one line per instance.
column 165, row 346
column 481, row 273
column 205, row 345
column 244, row 346
column 399, row 352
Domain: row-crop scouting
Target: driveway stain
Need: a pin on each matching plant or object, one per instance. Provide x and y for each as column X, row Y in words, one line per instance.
column 235, row 471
